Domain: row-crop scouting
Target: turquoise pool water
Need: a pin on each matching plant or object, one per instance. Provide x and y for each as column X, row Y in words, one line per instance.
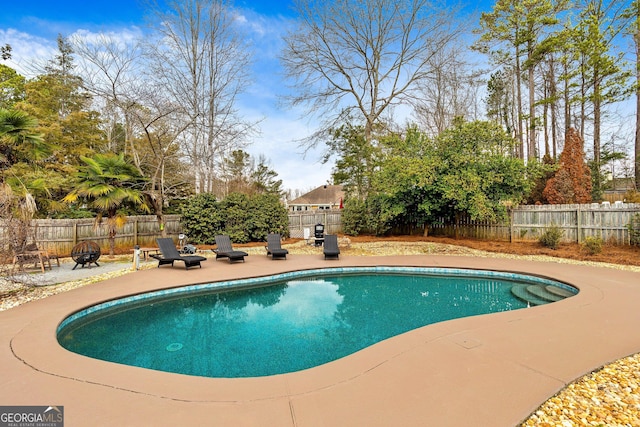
column 290, row 322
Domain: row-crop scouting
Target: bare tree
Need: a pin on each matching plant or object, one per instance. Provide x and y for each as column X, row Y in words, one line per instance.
column 116, row 72
column 113, row 70
column 359, row 58
column 202, row 63
column 448, row 93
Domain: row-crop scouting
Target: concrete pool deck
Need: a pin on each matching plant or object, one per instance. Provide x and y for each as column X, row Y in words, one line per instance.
column 491, row 370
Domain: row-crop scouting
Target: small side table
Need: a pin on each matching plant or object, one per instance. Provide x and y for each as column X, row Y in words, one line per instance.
column 145, row 252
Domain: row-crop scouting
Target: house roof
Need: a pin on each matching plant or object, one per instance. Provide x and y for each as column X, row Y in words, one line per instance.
column 324, row 195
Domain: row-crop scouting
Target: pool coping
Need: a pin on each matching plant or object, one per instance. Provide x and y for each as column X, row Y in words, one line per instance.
column 484, row 370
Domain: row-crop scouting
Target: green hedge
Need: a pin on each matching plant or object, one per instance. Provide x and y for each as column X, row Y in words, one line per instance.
column 244, row 218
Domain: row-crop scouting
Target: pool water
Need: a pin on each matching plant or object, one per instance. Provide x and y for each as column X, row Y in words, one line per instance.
column 294, row 324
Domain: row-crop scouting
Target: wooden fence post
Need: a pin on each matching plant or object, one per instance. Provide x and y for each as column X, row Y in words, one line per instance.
column 511, row 216
column 578, row 225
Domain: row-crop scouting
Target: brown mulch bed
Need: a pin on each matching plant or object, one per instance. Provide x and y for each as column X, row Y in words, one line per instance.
column 612, row 254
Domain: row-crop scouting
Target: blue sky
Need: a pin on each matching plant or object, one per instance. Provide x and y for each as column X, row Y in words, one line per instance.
column 31, row 28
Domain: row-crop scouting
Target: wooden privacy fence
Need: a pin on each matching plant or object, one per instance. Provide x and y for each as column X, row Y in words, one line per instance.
column 298, row 221
column 604, row 220
column 62, row 235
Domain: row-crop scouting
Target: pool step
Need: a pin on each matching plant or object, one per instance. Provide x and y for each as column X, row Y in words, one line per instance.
column 539, row 294
column 559, row 291
column 542, row 292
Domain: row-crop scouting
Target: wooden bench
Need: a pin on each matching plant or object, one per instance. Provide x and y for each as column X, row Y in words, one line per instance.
column 37, row 257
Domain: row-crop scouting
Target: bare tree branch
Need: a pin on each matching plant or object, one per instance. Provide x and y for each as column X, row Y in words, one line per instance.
column 363, row 57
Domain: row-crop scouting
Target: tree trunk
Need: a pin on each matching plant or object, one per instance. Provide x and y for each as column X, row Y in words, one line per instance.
column 519, row 106
column 597, row 185
column 637, row 147
column 531, row 154
column 567, row 104
column 553, row 92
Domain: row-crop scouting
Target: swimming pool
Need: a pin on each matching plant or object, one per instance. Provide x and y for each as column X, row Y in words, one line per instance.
column 287, row 322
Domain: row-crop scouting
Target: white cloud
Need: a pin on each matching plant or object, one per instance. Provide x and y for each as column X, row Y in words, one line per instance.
column 28, row 51
column 279, row 142
column 125, row 35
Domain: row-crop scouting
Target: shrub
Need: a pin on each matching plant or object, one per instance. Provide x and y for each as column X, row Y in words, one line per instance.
column 632, row 196
column 634, row 230
column 592, row 245
column 354, row 217
column 202, row 218
column 551, row 237
column 267, row 215
column 236, row 217
column 241, row 217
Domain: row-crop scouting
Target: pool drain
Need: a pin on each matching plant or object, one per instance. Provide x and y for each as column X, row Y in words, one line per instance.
column 174, row 346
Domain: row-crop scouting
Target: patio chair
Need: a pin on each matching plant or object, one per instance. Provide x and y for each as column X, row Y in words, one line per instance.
column 30, row 253
column 274, row 247
column 331, row 249
column 169, row 254
column 225, row 249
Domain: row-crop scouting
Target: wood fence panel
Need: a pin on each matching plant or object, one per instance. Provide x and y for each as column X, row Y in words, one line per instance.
column 607, row 221
column 298, row 221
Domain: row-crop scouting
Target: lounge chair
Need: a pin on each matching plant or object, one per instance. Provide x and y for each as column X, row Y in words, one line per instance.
column 331, row 249
column 169, row 254
column 225, row 250
column 274, row 247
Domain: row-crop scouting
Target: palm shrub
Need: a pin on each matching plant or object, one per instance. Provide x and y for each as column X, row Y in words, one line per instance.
column 108, row 184
column 551, row 237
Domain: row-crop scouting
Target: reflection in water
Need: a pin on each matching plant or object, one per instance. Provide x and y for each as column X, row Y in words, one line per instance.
column 280, row 328
column 309, row 302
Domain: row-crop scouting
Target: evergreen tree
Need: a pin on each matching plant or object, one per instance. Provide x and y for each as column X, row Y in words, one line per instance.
column 11, row 87
column 572, row 182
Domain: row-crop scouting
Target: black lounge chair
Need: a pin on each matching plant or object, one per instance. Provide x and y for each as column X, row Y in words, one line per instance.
column 225, row 250
column 169, row 254
column 331, row 249
column 274, row 247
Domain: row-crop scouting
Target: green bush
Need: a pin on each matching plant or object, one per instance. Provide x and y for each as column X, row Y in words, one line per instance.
column 634, row 230
column 242, row 217
column 354, row 217
column 202, row 218
column 592, row 245
column 551, row 237
column 267, row 215
column 236, row 217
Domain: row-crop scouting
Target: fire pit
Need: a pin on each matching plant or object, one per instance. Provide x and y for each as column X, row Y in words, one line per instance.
column 85, row 253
